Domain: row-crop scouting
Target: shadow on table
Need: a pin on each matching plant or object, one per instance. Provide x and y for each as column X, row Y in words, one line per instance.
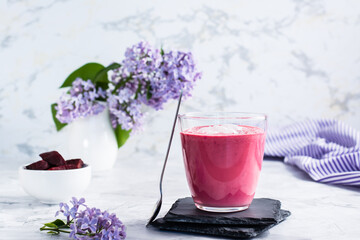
column 351, row 188
column 16, row 201
column 267, row 158
column 176, row 235
column 137, row 230
column 298, row 173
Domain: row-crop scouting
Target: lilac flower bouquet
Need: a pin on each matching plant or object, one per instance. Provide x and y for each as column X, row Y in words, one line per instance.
column 83, row 222
column 147, row 76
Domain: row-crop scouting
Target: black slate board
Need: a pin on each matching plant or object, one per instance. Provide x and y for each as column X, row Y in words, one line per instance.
column 185, row 217
column 261, row 211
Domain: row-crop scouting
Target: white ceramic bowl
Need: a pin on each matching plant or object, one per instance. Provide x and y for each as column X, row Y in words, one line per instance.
column 55, row 186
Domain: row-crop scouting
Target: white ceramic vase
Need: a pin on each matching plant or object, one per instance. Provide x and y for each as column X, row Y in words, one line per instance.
column 92, row 139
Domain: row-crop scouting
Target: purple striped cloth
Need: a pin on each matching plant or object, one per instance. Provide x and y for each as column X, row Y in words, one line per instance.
column 328, row 150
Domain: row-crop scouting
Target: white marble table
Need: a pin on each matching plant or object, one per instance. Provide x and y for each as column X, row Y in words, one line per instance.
column 130, row 190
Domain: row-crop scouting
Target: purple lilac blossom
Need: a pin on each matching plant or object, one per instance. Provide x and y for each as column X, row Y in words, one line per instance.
column 91, row 223
column 80, row 101
column 178, row 72
column 151, row 77
column 124, row 109
column 98, row 224
column 70, row 212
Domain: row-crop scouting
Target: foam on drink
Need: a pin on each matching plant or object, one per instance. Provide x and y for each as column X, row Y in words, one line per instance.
column 224, row 129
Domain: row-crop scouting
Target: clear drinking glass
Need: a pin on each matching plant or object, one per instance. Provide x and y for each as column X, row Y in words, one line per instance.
column 223, row 154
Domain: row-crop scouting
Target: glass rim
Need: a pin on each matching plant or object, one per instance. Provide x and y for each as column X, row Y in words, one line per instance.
column 223, row 115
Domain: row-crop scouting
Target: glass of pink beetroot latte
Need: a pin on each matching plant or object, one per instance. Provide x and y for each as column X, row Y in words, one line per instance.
column 223, row 154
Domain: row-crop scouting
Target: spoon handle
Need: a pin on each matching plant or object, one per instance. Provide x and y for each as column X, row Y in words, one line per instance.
column 159, row 202
column 170, row 141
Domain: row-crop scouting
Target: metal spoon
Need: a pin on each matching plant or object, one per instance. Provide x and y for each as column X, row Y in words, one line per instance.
column 159, row 202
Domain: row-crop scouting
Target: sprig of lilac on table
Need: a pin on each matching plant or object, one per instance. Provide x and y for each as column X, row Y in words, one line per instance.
column 86, row 223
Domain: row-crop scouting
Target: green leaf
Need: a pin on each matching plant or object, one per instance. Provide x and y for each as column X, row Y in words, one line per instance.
column 53, row 233
column 52, row 225
column 162, row 51
column 85, row 72
column 122, row 83
column 148, row 91
column 101, row 76
column 59, row 223
column 121, row 135
column 58, row 124
column 138, row 91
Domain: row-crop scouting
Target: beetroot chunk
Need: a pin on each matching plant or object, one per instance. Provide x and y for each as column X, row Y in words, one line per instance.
column 53, row 158
column 71, row 166
column 39, row 165
column 74, row 163
column 63, row 167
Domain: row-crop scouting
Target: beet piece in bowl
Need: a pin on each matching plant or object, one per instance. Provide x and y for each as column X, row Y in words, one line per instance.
column 53, row 158
column 63, row 167
column 39, row 165
column 74, row 163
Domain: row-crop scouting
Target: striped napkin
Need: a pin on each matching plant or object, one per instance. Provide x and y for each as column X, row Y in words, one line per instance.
column 328, row 150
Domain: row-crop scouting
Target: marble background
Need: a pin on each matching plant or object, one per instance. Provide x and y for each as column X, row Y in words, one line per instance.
column 291, row 59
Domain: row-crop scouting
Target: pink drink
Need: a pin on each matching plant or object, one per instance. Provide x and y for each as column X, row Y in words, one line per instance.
column 222, row 169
